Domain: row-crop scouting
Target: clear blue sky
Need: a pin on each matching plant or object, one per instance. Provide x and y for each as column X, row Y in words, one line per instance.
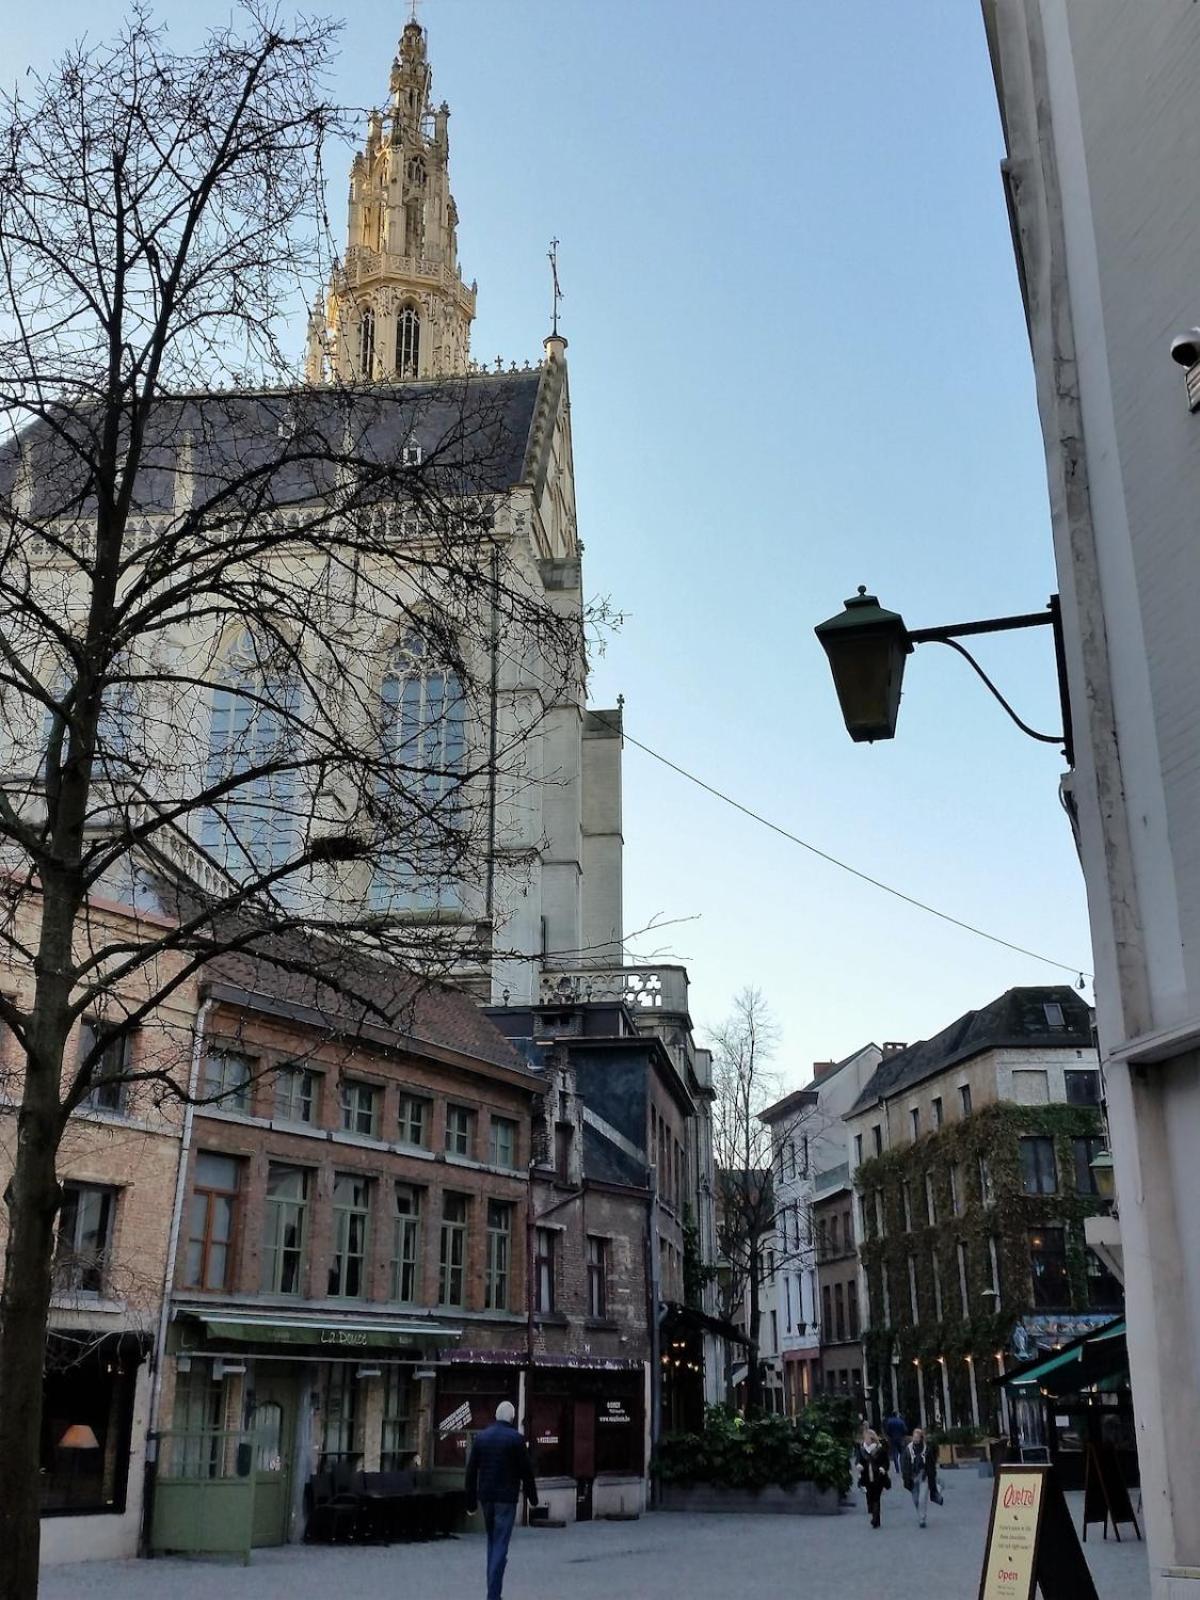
column 798, row 363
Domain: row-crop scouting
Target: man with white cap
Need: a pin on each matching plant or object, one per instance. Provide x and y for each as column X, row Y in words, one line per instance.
column 497, row 1470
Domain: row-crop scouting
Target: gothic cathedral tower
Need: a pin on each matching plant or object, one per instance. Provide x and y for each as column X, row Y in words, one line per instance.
column 398, row 308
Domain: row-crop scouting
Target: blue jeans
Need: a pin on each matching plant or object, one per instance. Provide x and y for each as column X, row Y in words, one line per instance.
column 498, row 1519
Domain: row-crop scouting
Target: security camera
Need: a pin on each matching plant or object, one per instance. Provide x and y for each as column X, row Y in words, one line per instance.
column 1185, row 348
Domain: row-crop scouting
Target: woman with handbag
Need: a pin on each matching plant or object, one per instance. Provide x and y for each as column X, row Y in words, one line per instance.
column 873, row 1474
column 918, row 1466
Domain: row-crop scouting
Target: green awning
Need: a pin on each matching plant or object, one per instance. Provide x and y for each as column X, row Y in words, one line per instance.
column 1034, row 1375
column 332, row 1335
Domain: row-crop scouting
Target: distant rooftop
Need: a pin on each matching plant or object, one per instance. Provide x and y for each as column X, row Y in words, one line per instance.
column 1050, row 1018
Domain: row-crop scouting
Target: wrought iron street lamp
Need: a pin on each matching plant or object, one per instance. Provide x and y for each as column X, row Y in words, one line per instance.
column 867, row 647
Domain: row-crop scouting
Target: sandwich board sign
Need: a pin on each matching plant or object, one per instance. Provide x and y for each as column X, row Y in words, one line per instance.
column 1032, row 1545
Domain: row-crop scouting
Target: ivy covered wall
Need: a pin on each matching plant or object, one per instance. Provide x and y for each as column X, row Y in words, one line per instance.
column 982, row 1152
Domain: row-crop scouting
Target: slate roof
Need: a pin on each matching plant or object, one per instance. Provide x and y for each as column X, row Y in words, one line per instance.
column 480, row 427
column 346, row 991
column 1017, row 1020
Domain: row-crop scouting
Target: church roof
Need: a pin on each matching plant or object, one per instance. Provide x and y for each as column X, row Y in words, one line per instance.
column 1024, row 1018
column 477, row 428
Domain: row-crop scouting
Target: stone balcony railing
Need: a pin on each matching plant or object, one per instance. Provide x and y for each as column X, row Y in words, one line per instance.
column 641, row 988
column 363, row 263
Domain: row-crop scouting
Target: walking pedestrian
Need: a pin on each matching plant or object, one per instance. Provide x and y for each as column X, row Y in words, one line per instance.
column 918, row 1467
column 896, row 1432
column 873, row 1474
column 498, row 1469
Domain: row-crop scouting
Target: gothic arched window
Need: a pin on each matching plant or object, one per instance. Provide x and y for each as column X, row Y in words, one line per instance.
column 424, row 735
column 414, row 227
column 408, row 342
column 253, row 825
column 366, row 343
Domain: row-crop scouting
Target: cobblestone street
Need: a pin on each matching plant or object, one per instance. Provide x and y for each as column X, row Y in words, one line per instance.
column 661, row 1557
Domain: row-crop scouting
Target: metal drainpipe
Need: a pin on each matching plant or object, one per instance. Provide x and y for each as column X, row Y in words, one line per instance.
column 185, row 1144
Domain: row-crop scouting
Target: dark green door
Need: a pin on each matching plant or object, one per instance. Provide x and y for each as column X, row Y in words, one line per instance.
column 272, row 1424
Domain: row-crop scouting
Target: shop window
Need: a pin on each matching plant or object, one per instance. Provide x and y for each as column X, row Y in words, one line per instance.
column 285, row 1225
column 339, row 1429
column 1039, row 1174
column 227, row 1076
column 499, row 1248
column 351, row 1218
column 83, row 1249
column 108, row 1071
column 459, row 1127
column 296, row 1094
column 453, row 1257
column 398, row 1439
column 360, row 1107
column 502, row 1150
column 87, row 1417
column 1104, row 1291
column 193, row 1448
column 1082, row 1087
column 1085, row 1151
column 543, row 1265
column 413, row 1125
column 618, row 1424
column 406, row 1249
column 597, row 1276
column 265, row 1422
column 1048, row 1266
column 211, row 1216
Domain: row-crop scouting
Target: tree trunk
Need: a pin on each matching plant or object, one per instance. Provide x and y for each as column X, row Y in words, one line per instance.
column 32, row 1201
column 753, row 1374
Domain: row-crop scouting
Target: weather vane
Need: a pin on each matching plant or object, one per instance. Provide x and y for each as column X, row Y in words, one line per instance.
column 412, row 16
column 558, row 294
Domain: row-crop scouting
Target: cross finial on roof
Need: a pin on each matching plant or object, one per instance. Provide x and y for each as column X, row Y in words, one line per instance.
column 557, row 290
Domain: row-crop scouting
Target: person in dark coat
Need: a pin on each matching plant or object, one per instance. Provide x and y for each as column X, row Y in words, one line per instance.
column 896, row 1432
column 497, row 1470
column 918, row 1466
column 873, row 1471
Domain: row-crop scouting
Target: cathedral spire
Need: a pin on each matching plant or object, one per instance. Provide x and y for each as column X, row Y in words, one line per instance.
column 398, row 307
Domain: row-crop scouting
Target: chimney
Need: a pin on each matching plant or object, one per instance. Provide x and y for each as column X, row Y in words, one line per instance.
column 820, row 1068
column 893, row 1047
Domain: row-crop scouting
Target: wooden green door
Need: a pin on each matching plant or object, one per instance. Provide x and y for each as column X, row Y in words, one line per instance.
column 272, row 1422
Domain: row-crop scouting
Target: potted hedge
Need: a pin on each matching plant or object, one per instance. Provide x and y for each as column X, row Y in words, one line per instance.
column 758, row 1464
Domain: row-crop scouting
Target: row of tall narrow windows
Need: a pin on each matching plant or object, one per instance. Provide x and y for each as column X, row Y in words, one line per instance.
column 407, row 355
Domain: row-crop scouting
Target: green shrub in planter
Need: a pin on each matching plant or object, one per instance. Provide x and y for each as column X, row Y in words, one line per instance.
column 750, row 1453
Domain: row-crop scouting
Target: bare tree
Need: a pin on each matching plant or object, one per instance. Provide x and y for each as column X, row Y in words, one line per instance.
column 200, row 559
column 761, row 1226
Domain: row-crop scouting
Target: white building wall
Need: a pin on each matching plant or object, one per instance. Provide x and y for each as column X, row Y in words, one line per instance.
column 1099, row 104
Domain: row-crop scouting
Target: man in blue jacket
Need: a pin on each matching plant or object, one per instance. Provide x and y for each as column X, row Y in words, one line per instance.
column 497, row 1470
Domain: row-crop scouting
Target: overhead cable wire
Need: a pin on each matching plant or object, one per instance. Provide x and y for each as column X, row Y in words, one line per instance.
column 834, row 861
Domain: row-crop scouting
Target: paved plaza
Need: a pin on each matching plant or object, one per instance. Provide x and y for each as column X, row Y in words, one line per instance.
column 661, row 1557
